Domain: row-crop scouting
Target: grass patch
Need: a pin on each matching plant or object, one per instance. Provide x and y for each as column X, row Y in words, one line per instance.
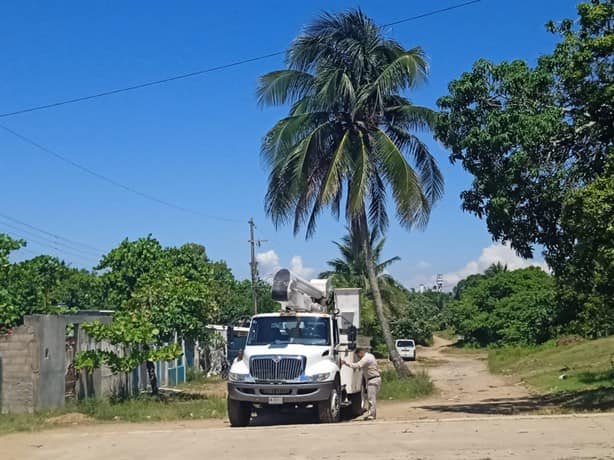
column 394, row 388
column 180, row 406
column 585, row 365
column 447, row 334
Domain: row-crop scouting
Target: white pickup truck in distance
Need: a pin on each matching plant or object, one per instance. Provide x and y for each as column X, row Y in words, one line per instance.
column 406, row 349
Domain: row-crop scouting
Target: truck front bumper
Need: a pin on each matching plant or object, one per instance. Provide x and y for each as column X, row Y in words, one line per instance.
column 263, row 393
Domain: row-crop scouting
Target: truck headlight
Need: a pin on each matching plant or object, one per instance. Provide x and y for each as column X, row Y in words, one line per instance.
column 236, row 377
column 319, row 377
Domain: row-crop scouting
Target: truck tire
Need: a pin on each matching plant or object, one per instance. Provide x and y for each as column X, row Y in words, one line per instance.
column 239, row 413
column 359, row 401
column 329, row 411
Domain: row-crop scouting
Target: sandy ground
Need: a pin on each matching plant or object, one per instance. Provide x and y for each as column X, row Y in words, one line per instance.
column 471, row 417
column 465, row 388
column 495, row 437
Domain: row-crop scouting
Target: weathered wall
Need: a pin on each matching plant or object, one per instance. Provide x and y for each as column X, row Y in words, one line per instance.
column 19, row 370
column 51, row 333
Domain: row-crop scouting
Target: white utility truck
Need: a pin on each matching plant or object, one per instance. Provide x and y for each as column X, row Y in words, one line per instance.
column 293, row 358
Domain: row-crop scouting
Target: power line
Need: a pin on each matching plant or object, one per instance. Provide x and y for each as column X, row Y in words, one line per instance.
column 141, row 85
column 54, row 235
column 111, row 181
column 208, row 70
column 83, row 257
column 54, row 240
column 431, row 13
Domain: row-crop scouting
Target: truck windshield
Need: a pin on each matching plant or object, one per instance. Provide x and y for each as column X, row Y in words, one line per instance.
column 405, row 343
column 277, row 330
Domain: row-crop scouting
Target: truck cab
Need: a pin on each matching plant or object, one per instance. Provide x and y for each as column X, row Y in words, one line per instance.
column 293, row 358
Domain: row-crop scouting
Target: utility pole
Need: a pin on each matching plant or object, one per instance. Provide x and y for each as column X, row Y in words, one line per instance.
column 253, row 264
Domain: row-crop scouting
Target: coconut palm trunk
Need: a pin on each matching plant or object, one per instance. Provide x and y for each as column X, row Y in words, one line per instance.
column 399, row 365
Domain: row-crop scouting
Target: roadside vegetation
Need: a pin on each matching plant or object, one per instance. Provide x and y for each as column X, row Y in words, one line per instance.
column 399, row 389
column 552, row 367
column 141, row 409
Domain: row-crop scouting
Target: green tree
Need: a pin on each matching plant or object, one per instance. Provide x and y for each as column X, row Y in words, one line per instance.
column 350, row 270
column 349, row 129
column 240, row 305
column 533, row 138
column 587, row 279
column 529, row 136
column 136, row 340
column 35, row 283
column 81, row 290
column 10, row 313
column 509, row 307
column 124, row 266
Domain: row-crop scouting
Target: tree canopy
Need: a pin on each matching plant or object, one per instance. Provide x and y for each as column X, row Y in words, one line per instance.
column 536, row 139
column 506, row 307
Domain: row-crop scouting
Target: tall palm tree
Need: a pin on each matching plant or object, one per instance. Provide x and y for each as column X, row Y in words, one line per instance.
column 348, row 135
column 350, row 270
column 351, row 267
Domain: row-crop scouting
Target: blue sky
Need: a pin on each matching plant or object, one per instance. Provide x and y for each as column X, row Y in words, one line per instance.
column 196, row 142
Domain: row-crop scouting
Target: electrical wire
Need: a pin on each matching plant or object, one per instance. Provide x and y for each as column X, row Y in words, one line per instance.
column 59, row 244
column 54, row 235
column 208, row 70
column 113, row 182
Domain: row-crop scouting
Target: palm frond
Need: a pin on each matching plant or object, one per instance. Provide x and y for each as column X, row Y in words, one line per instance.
column 430, row 175
column 413, row 207
column 282, row 86
column 359, row 178
column 408, row 116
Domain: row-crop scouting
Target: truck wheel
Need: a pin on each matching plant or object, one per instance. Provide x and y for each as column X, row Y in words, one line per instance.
column 329, row 411
column 239, row 412
column 359, row 401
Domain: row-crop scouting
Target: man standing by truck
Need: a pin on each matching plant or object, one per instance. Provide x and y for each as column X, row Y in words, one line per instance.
column 368, row 364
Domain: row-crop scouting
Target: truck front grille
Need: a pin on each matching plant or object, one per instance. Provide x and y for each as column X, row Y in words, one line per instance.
column 276, row 368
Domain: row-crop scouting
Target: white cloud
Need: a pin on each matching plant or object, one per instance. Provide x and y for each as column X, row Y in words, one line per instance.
column 495, row 253
column 269, row 263
column 297, row 266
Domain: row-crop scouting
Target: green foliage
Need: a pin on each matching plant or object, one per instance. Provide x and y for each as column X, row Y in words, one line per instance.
column 420, row 315
column 418, row 385
column 8, row 245
column 136, row 339
column 126, row 264
column 348, row 128
column 587, row 279
column 43, row 284
column 533, row 138
column 509, row 307
column 586, row 364
column 141, row 410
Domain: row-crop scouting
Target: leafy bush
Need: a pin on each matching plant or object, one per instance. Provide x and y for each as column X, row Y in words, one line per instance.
column 509, row 307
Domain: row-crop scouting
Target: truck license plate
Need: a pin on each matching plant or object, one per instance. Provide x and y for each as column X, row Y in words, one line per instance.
column 276, row 400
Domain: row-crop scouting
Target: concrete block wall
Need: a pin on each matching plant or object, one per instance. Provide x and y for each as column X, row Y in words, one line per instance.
column 19, row 370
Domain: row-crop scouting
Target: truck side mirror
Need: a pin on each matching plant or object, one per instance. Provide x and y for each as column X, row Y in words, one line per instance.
column 352, row 333
column 229, row 335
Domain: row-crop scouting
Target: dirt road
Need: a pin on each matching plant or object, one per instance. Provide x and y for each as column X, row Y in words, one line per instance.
column 469, row 418
column 559, row 437
column 465, row 388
